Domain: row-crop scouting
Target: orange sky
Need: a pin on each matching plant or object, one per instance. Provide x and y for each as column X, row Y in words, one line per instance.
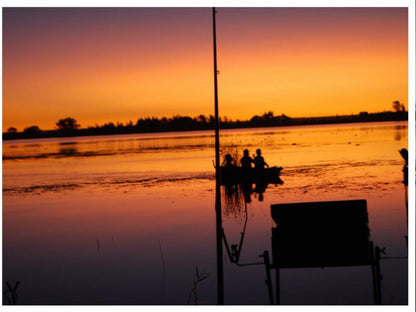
column 100, row 65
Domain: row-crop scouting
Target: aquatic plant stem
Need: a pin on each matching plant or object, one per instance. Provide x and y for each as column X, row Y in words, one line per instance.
column 163, row 272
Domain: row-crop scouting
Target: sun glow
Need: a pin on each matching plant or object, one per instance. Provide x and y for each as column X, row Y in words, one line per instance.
column 102, row 65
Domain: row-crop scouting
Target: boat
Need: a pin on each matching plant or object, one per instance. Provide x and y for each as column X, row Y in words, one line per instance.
column 231, row 175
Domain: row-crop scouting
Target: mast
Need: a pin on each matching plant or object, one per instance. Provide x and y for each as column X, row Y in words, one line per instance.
column 218, row 212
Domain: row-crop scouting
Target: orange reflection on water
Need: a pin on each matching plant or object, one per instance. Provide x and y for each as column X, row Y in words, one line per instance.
column 105, row 211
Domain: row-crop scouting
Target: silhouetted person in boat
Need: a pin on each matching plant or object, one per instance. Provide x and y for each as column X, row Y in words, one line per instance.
column 246, row 160
column 246, row 173
column 259, row 162
column 228, row 161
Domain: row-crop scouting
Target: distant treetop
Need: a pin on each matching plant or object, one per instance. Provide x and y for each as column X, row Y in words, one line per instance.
column 67, row 124
column 398, row 107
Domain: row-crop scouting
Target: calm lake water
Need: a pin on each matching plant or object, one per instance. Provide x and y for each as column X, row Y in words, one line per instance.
column 130, row 219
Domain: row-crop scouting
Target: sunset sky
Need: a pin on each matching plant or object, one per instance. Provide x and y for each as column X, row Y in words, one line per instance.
column 118, row 64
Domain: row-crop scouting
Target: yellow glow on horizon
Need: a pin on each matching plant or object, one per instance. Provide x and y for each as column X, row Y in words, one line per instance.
column 302, row 72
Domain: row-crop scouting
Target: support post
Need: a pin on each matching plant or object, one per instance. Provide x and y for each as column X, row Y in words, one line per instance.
column 378, row 252
column 268, row 276
column 277, row 285
column 375, row 266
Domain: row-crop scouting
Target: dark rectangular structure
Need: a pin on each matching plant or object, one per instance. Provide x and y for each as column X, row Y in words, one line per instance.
column 321, row 234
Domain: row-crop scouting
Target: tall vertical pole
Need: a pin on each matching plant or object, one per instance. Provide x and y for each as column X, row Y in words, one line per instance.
column 218, row 213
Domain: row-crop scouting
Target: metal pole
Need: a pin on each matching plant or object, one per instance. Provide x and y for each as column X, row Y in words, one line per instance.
column 218, row 212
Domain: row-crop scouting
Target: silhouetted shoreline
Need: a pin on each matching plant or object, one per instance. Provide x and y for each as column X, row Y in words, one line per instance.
column 185, row 123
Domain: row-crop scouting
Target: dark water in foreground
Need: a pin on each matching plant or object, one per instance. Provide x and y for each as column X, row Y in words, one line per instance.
column 130, row 219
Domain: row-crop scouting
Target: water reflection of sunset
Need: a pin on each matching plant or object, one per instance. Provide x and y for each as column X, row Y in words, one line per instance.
column 113, row 206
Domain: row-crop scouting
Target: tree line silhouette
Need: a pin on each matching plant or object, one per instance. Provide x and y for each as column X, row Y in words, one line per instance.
column 69, row 127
